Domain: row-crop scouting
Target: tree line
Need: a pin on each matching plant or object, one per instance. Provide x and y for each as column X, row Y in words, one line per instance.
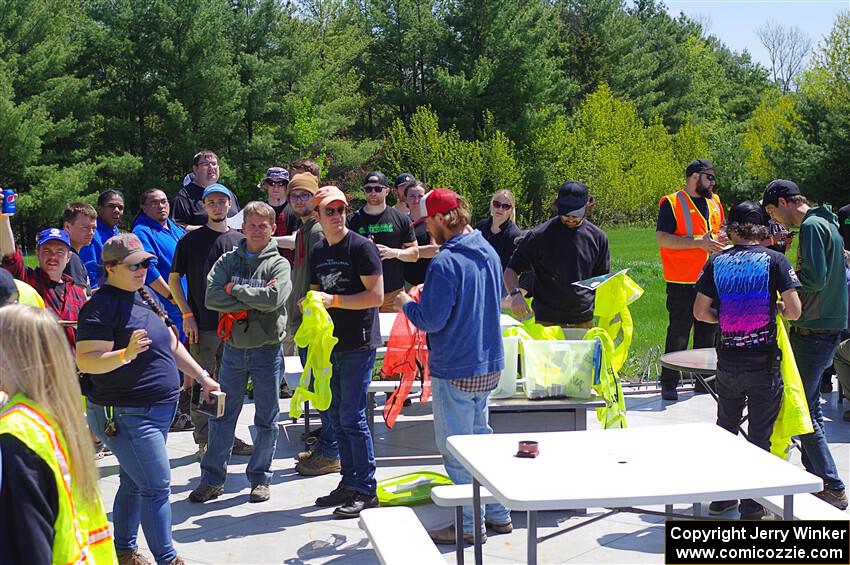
column 473, row 94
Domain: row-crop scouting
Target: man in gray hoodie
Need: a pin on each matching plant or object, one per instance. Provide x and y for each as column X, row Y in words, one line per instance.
column 249, row 286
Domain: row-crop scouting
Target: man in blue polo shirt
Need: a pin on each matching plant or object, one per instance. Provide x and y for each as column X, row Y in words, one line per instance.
column 110, row 210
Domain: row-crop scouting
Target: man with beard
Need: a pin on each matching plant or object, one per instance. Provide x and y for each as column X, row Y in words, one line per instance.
column 110, row 210
column 188, row 211
column 194, row 256
column 687, row 230
column 561, row 251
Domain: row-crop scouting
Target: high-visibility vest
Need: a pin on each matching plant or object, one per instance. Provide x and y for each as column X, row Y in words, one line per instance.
column 316, row 333
column 684, row 265
column 81, row 531
column 28, row 295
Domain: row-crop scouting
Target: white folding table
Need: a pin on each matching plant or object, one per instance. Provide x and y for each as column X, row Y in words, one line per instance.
column 685, row 463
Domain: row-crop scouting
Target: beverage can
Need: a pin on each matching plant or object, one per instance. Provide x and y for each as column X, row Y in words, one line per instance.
column 9, row 206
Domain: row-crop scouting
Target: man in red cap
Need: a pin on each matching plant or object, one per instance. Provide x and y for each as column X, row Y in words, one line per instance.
column 459, row 309
column 346, row 268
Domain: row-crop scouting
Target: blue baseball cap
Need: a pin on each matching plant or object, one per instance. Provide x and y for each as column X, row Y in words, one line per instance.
column 53, row 234
column 217, row 188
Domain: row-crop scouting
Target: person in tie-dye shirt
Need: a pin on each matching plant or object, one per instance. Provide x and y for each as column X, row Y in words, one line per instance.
column 743, row 282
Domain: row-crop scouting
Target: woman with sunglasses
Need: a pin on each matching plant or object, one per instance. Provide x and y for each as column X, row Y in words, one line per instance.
column 500, row 229
column 128, row 347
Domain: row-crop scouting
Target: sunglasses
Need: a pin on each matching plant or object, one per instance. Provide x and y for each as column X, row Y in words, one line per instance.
column 330, row 212
column 373, row 188
column 143, row 265
column 277, row 182
column 709, row 176
column 503, row 205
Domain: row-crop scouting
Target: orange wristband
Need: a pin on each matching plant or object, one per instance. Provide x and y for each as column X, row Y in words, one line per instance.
column 122, row 355
column 188, row 315
column 335, row 301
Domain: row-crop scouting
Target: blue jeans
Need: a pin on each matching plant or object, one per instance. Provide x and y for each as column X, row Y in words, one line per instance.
column 144, row 474
column 352, row 373
column 461, row 413
column 814, row 353
column 326, row 446
column 262, row 364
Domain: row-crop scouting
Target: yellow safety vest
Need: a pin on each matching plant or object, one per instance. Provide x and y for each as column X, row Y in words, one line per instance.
column 316, row 333
column 794, row 418
column 81, row 530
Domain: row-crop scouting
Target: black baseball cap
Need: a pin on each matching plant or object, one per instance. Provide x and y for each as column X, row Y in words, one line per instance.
column 779, row 188
column 403, row 178
column 375, row 178
column 747, row 212
column 572, row 199
column 698, row 166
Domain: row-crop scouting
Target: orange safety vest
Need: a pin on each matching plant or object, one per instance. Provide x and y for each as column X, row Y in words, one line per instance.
column 684, row 265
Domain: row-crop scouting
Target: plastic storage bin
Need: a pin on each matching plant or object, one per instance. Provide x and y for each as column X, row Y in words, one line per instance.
column 508, row 381
column 560, row 368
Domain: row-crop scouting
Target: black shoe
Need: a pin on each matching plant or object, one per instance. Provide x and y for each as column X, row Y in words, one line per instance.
column 826, row 384
column 668, row 392
column 339, row 495
column 759, row 514
column 355, row 505
column 285, row 391
column 722, row 507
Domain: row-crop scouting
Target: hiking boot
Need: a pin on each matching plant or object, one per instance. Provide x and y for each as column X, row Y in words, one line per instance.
column 259, row 493
column 242, row 448
column 760, row 514
column 317, row 465
column 836, row 497
column 339, row 495
column 446, row 536
column 722, row 507
column 132, row 558
column 285, row 391
column 355, row 505
column 182, row 423
column 307, row 453
column 205, row 492
column 505, row 528
column 669, row 392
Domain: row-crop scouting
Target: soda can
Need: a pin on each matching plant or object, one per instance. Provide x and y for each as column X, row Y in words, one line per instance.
column 9, row 206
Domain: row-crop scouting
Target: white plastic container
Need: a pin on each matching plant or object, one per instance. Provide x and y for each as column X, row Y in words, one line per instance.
column 508, row 381
column 554, row 369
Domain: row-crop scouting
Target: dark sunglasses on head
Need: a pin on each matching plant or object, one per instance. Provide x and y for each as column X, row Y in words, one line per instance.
column 502, row 205
column 709, row 176
column 143, row 265
column 373, row 188
column 334, row 211
column 276, row 182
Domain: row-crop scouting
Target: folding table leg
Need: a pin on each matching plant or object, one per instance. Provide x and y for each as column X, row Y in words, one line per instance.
column 370, row 413
column 698, row 509
column 788, row 507
column 668, row 508
column 306, row 425
column 459, row 535
column 531, row 555
column 476, row 521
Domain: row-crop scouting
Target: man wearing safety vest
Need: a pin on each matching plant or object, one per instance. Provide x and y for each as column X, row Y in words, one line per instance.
column 687, row 231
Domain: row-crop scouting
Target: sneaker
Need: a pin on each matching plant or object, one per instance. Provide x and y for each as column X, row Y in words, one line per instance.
column 339, row 495
column 132, row 558
column 206, row 492
column 242, row 448
column 669, row 392
column 722, row 507
column 182, row 423
column 355, row 505
column 505, row 528
column 202, row 449
column 285, row 391
column 317, row 465
column 307, row 453
column 101, row 451
column 446, row 536
column 259, row 493
column 836, row 497
column 760, row 514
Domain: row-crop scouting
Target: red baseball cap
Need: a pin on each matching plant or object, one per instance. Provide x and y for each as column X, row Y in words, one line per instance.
column 439, row 201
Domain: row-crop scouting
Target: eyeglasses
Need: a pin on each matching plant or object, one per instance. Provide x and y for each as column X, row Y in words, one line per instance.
column 300, row 196
column 143, row 265
column 277, row 182
column 373, row 188
column 709, row 176
column 503, row 205
column 331, row 212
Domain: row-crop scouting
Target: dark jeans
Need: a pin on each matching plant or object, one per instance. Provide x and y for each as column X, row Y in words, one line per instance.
column 207, row 353
column 680, row 305
column 352, row 373
column 326, row 445
column 813, row 353
column 761, row 392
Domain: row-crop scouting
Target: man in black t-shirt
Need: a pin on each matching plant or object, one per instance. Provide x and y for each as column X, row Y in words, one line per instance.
column 187, row 210
column 194, row 256
column 561, row 251
column 385, row 226
column 79, row 220
column 744, row 280
column 346, row 268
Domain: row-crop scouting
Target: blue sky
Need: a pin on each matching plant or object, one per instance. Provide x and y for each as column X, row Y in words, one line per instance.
column 735, row 21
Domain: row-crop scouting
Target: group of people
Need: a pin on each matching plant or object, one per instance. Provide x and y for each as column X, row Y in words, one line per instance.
column 203, row 296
